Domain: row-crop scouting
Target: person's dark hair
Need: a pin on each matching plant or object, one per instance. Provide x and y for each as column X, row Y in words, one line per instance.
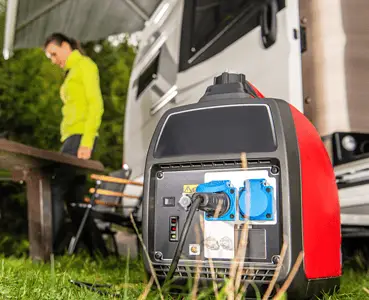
column 59, row 38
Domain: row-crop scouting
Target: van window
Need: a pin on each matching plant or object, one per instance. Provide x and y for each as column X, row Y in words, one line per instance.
column 209, row 26
column 148, row 75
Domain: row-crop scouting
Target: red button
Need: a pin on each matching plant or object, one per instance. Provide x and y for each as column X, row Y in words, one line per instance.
column 173, row 229
column 174, row 221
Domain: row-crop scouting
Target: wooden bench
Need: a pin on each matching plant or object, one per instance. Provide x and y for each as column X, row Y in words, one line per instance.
column 35, row 166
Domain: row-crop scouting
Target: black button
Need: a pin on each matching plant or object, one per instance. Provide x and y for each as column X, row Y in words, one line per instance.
column 169, row 201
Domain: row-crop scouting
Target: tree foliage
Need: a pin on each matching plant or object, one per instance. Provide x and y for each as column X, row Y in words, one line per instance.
column 30, row 105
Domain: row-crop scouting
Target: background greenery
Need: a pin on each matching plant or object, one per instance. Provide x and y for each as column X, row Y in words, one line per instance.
column 30, row 111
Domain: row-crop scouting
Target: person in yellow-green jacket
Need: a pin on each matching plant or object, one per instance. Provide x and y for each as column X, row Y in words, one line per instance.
column 82, row 112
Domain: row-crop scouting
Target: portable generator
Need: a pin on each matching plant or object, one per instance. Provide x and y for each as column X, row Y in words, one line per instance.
column 195, row 192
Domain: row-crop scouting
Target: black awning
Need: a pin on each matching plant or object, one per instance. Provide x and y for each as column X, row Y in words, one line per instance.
column 30, row 21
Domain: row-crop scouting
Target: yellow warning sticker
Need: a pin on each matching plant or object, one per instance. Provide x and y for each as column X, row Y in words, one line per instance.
column 189, row 188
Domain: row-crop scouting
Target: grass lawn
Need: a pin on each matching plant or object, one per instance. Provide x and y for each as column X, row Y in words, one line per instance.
column 21, row 279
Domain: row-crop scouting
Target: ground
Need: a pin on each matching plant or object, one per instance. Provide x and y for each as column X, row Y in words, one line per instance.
column 22, row 279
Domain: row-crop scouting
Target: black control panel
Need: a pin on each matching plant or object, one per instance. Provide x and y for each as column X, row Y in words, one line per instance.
column 208, row 238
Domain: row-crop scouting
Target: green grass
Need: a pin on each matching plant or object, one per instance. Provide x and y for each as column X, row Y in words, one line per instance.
column 352, row 285
column 22, row 279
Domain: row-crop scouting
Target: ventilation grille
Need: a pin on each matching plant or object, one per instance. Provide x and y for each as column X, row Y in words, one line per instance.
column 214, row 164
column 261, row 275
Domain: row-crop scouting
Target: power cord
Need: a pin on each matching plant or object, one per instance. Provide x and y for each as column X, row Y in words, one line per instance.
column 207, row 202
column 197, row 199
column 93, row 287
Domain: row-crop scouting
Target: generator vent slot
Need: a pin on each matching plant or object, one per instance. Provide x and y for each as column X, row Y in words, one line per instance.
column 214, row 164
column 262, row 275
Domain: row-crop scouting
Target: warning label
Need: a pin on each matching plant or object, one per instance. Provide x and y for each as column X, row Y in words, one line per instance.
column 189, row 188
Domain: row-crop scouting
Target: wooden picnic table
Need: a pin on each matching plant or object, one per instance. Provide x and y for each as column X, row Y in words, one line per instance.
column 35, row 166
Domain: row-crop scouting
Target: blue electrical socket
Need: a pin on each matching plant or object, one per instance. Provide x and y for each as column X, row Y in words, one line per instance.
column 261, row 198
column 217, row 186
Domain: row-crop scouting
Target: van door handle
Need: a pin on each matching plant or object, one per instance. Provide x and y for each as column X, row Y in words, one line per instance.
column 268, row 22
column 164, row 100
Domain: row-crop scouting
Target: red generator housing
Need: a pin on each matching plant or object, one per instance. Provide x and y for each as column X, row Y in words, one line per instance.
column 281, row 143
column 321, row 225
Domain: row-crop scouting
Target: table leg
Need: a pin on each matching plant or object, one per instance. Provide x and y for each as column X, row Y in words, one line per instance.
column 39, row 215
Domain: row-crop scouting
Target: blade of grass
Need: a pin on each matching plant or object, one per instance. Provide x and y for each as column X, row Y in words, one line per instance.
column 215, row 286
column 148, row 257
column 290, row 277
column 127, row 274
column 242, row 254
column 198, row 267
column 52, row 268
column 237, row 266
column 147, row 289
column 277, row 271
column 242, row 292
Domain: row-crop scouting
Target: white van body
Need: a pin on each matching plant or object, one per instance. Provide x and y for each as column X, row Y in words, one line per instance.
column 184, row 45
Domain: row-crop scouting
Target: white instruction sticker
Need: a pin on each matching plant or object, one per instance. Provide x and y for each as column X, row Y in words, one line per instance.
column 219, row 239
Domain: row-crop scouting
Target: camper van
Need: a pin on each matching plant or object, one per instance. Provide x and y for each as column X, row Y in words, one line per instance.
column 312, row 54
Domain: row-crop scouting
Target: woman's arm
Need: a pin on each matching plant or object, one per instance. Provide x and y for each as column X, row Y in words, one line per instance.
column 95, row 105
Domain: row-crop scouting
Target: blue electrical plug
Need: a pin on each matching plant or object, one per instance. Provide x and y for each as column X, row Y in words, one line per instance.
column 216, row 187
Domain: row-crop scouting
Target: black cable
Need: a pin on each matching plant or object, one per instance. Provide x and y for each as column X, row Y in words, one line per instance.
column 83, row 283
column 92, row 287
column 195, row 204
column 250, row 90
